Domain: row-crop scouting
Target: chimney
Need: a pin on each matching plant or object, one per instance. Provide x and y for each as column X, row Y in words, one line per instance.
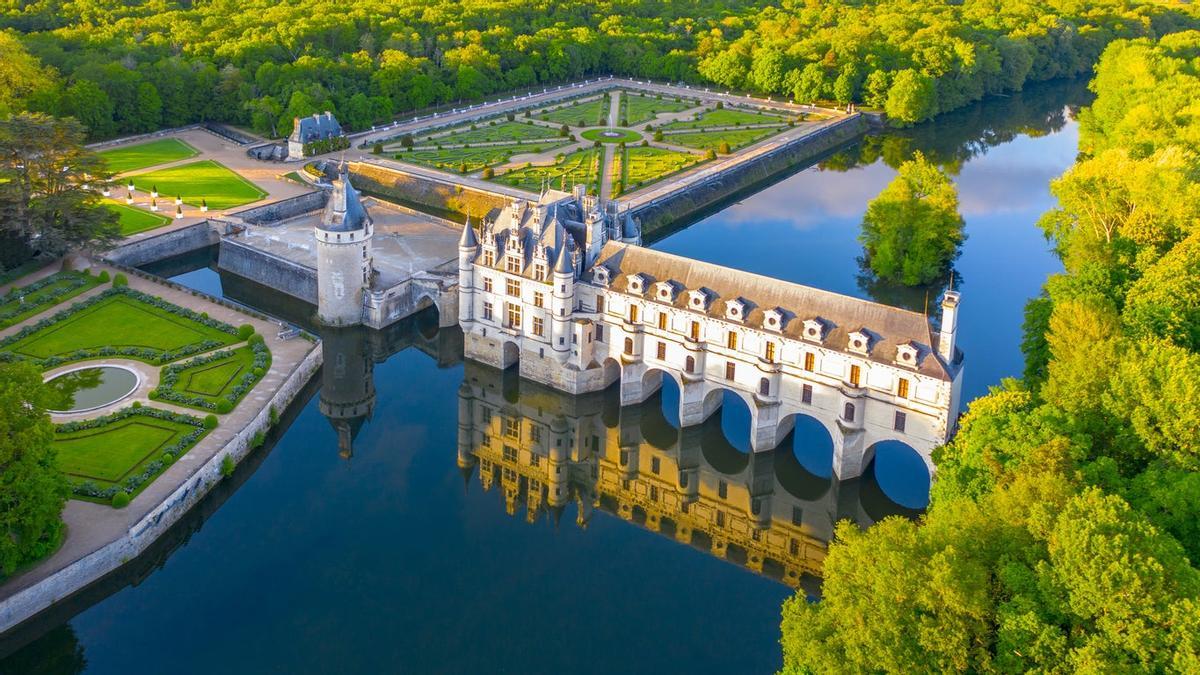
column 947, row 337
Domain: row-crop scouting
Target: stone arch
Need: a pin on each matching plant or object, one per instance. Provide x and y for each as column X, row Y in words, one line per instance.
column 735, row 413
column 795, row 479
column 510, row 354
column 668, row 393
column 811, row 439
column 902, row 472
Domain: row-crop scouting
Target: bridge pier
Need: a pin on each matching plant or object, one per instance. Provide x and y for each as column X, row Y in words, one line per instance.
column 695, row 405
column 765, row 429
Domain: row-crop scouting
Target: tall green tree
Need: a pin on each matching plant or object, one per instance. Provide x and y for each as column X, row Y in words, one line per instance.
column 912, row 231
column 49, row 183
column 32, row 489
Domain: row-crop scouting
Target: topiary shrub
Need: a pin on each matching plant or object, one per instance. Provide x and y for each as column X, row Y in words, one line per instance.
column 103, row 276
column 245, row 330
column 227, row 466
column 120, row 500
column 153, row 395
column 224, row 406
column 210, row 421
column 489, row 173
column 120, row 280
column 137, row 404
column 167, row 458
column 256, row 339
column 258, row 372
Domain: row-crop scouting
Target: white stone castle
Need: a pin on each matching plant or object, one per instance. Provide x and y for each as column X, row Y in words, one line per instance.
column 563, row 288
column 343, row 255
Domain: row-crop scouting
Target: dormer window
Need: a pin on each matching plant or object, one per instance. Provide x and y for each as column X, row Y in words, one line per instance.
column 637, row 284
column 859, row 342
column 906, row 355
column 735, row 310
column 773, row 319
column 602, row 275
column 814, row 330
column 539, row 272
column 489, row 258
column 698, row 300
column 512, row 264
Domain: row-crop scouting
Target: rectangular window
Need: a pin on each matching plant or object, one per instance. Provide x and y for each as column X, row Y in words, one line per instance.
column 633, row 313
column 730, row 370
column 514, row 315
column 662, row 320
column 661, row 353
column 487, row 285
column 855, row 375
column 653, row 493
column 720, row 519
column 902, row 388
column 599, row 304
column 539, row 272
column 771, row 352
column 512, row 264
column 654, row 465
column 848, row 412
column 695, row 330
column 510, row 453
column 901, row 420
column 539, row 328
column 731, row 341
column 535, row 433
column 539, row 299
column 722, row 489
column 797, row 517
column 489, row 258
column 512, row 287
column 487, row 310
column 806, row 394
column 600, row 332
column 535, row 460
column 810, row 361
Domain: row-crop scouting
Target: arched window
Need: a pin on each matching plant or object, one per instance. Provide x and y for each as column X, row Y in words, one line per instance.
column 764, row 387
column 691, row 364
column 848, row 413
column 629, row 345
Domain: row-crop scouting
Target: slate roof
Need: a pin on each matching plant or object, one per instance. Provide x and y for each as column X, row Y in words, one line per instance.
column 344, row 211
column 841, row 315
column 315, row 127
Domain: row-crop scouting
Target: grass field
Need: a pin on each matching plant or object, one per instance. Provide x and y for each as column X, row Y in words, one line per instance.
column 151, row 153
column 590, row 113
column 624, row 135
column 215, row 380
column 642, row 166
column 474, row 159
column 638, row 108
column 580, row 167
column 726, row 117
column 21, row 304
column 206, row 180
column 110, row 454
column 134, row 220
column 485, row 133
column 117, row 321
column 711, row 140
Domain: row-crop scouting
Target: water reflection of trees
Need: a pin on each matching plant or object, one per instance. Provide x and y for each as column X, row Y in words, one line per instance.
column 953, row 139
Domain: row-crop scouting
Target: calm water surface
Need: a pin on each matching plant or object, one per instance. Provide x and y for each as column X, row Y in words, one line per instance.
column 377, row 532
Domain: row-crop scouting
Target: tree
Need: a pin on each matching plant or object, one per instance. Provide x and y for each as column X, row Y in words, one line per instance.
column 46, row 185
column 87, row 102
column 912, row 230
column 21, row 76
column 32, row 489
column 911, row 98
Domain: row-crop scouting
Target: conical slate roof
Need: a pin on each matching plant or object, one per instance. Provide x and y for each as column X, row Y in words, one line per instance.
column 344, row 212
column 468, row 238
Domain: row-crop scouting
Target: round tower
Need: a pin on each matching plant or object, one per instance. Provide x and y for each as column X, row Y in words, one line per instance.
column 347, row 384
column 562, row 303
column 343, row 255
column 468, row 248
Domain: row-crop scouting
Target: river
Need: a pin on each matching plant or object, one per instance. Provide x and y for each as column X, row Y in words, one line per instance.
column 372, row 535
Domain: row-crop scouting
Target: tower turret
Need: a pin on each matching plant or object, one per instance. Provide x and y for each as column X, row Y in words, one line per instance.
column 562, row 302
column 468, row 249
column 343, row 255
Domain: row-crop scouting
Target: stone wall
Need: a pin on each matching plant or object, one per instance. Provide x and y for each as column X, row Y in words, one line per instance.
column 73, row 578
column 694, row 198
column 156, row 247
column 284, row 208
column 423, row 192
column 269, row 270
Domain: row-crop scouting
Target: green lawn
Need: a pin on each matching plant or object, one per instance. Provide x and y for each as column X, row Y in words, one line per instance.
column 586, row 114
column 580, row 167
column 205, row 381
column 711, row 140
column 151, row 153
column 642, row 166
column 120, row 450
column 474, row 159
column 486, row 133
column 727, row 117
column 638, row 108
column 134, row 220
column 24, row 302
column 206, row 180
column 118, row 321
column 623, row 135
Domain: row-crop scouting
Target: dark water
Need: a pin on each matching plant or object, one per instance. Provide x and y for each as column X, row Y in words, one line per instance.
column 88, row 388
column 421, row 515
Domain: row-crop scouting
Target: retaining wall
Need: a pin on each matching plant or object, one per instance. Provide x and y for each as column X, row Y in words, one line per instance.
column 292, row 278
column 696, row 197
column 284, row 208
column 27, row 603
column 424, row 192
column 156, row 247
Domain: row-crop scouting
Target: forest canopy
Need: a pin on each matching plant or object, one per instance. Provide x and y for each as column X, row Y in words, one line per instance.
column 129, row 67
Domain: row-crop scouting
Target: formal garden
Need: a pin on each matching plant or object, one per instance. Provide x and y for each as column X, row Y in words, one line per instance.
column 145, row 155
column 588, row 113
column 644, row 165
column 493, row 131
column 581, row 167
column 216, row 381
column 472, row 159
column 133, row 220
column 22, row 302
column 206, row 180
column 726, row 117
column 638, row 108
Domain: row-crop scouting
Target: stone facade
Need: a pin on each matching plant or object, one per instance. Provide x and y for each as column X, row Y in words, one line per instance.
column 343, row 255
column 612, row 311
column 317, row 127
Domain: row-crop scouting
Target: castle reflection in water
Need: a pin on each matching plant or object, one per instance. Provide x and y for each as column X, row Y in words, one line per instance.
column 545, row 453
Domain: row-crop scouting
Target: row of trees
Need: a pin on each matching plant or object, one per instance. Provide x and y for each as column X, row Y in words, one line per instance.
column 125, row 68
column 1065, row 519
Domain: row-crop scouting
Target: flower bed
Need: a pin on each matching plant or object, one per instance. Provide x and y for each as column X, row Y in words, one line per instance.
column 248, row 364
column 24, row 302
